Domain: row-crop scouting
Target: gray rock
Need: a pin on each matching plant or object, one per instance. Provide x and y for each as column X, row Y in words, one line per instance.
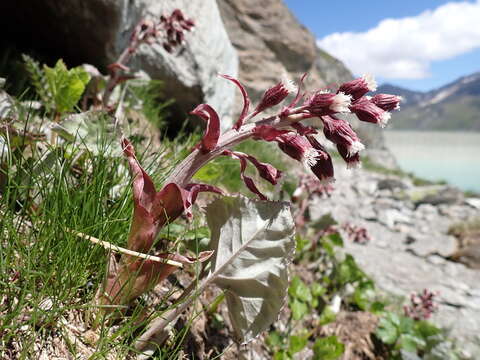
column 391, row 184
column 444, row 195
column 390, row 217
column 423, row 245
column 97, row 31
column 473, row 202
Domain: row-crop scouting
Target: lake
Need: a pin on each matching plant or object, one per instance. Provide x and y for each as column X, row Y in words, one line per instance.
column 439, row 155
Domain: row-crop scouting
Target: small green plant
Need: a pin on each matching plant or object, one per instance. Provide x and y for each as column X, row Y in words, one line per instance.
column 59, row 88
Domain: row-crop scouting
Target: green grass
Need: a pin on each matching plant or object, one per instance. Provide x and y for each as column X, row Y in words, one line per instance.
column 42, row 261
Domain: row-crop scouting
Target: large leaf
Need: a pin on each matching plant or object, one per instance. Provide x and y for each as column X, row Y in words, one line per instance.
column 253, row 242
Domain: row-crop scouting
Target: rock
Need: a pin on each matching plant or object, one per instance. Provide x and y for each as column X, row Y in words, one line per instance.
column 423, row 245
column 444, row 195
column 96, row 32
column 470, row 256
column 391, row 184
column 473, row 202
column 390, row 217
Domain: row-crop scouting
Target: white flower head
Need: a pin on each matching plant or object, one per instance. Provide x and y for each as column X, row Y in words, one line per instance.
column 341, row 103
column 384, row 118
column 370, row 81
column 289, row 84
column 310, row 157
column 355, row 147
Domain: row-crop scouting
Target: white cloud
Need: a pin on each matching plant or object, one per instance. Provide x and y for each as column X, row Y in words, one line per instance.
column 404, row 48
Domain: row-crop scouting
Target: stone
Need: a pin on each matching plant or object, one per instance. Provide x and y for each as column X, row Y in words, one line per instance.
column 424, row 245
column 390, row 217
column 473, row 202
column 443, row 195
column 391, row 184
column 97, row 31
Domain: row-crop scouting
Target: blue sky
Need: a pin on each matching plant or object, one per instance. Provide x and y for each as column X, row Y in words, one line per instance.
column 420, row 44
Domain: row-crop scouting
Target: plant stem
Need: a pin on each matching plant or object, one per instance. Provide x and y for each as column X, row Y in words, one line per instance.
column 183, row 173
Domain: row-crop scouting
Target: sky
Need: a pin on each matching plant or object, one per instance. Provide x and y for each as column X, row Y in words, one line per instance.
column 416, row 44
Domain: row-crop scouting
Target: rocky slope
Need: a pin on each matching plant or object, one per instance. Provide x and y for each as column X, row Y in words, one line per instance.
column 455, row 106
column 410, row 246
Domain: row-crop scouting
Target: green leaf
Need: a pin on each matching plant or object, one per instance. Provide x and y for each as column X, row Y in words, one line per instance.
column 299, row 309
column 297, row 343
column 298, row 289
column 66, row 86
column 327, row 316
column 328, row 348
column 387, row 331
column 377, row 307
column 411, row 343
column 406, row 324
column 302, row 243
column 336, row 239
column 274, row 340
column 363, row 294
column 425, row 329
column 281, row 355
column 317, row 290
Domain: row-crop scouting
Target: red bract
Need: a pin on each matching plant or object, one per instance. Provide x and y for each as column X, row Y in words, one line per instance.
column 387, row 102
column 323, row 168
column 212, row 133
column 133, row 276
column 288, row 109
column 243, row 166
column 352, row 160
column 246, row 101
column 367, row 111
column 275, row 95
column 321, row 103
column 358, row 87
column 340, row 132
column 153, row 210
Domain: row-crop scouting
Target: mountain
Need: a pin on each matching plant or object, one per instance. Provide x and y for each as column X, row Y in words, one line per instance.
column 455, row 106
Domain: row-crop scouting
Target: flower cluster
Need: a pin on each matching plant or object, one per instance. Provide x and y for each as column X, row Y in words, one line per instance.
column 153, row 210
column 174, row 28
column 169, row 31
column 357, row 234
column 422, row 305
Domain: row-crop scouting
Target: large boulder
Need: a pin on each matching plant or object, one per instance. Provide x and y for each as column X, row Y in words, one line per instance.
column 96, row 31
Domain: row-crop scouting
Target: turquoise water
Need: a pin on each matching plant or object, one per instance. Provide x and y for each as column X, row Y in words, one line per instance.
column 433, row 155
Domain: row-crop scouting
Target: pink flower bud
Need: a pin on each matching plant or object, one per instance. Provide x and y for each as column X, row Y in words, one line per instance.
column 367, row 111
column 298, row 148
column 359, row 87
column 322, row 103
column 275, row 95
column 323, row 168
column 387, row 102
column 265, row 170
column 352, row 160
column 339, row 131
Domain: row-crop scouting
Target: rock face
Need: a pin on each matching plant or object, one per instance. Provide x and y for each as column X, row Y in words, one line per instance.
column 96, row 31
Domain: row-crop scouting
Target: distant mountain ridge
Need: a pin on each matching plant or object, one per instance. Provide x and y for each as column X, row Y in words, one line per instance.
column 455, row 106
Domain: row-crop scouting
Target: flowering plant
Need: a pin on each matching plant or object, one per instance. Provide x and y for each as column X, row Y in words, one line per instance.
column 252, row 241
